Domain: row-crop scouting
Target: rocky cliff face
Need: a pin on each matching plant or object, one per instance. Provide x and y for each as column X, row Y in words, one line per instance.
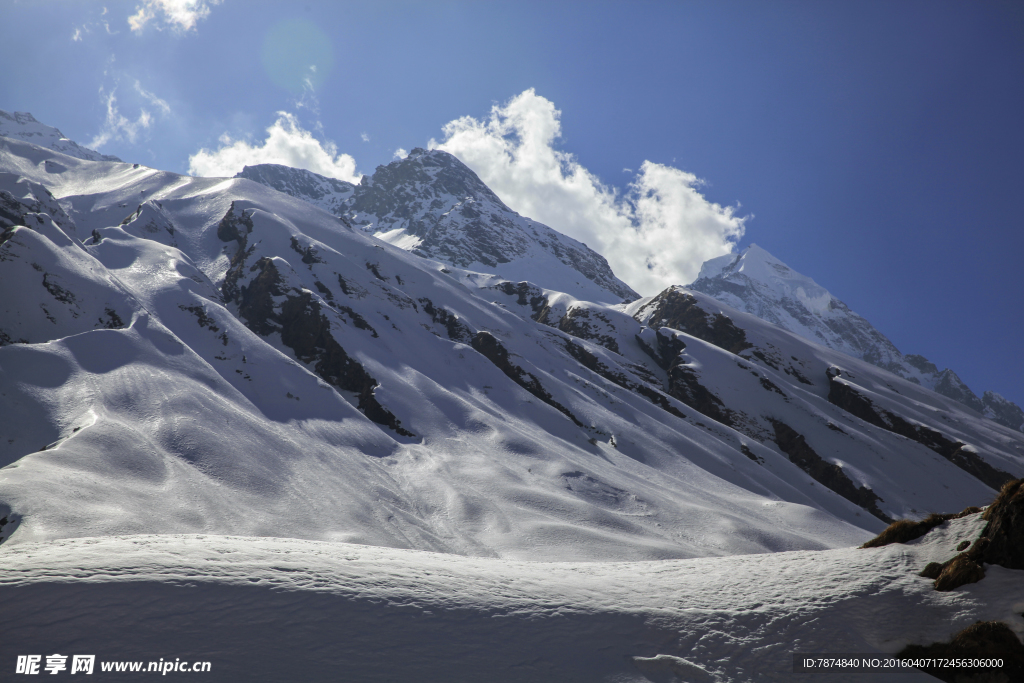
column 433, row 205
column 758, row 283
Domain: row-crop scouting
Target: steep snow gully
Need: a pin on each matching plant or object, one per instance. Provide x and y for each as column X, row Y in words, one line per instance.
column 308, row 430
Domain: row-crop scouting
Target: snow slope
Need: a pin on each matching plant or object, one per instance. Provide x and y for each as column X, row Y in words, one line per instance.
column 758, row 283
column 278, row 609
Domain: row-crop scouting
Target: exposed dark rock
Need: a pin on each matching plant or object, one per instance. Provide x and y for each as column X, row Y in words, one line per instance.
column 679, row 310
column 309, row 255
column 358, row 320
column 579, row 323
column 322, row 288
column 460, row 221
column 306, row 330
column 205, row 321
column 56, row 291
column 457, row 329
column 113, row 321
column 770, row 386
column 375, row 269
column 828, row 474
column 592, row 363
column 745, row 450
column 684, row 384
column 981, row 640
column 235, row 227
column 1005, row 531
column 527, row 293
column 490, row 348
column 845, row 396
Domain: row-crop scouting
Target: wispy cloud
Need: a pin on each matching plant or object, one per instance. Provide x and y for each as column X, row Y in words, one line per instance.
column 286, row 143
column 152, row 99
column 81, row 31
column 656, row 233
column 117, row 126
column 180, row 15
column 401, row 153
column 364, row 137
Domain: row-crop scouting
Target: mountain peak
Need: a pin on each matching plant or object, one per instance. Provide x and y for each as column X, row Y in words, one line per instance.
column 770, row 275
column 21, row 125
column 432, row 204
column 756, row 282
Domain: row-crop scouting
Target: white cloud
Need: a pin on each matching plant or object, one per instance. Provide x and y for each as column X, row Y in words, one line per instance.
column 365, row 137
column 654, row 235
column 116, row 126
column 182, row 15
column 287, row 143
column 77, row 35
column 401, row 153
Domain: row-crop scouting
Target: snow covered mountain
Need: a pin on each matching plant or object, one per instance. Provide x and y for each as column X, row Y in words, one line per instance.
column 760, row 284
column 23, row 126
column 353, row 390
column 222, row 401
column 433, row 205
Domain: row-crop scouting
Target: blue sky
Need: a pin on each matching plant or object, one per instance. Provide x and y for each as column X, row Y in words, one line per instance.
column 874, row 146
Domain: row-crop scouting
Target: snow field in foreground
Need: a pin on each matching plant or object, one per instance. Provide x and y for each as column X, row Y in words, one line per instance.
column 262, row 609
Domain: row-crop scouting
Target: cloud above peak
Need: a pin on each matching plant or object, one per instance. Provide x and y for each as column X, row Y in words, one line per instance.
column 287, row 143
column 181, row 15
column 655, row 234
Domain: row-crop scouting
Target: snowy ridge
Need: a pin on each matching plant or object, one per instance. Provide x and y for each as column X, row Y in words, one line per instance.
column 330, row 194
column 23, row 126
column 760, row 284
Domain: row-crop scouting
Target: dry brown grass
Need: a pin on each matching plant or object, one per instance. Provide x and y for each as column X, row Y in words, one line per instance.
column 1003, row 500
column 959, row 571
column 904, row 530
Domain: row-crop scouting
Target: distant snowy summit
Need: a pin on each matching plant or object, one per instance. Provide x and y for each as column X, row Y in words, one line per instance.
column 23, row 126
column 760, row 284
column 433, row 205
